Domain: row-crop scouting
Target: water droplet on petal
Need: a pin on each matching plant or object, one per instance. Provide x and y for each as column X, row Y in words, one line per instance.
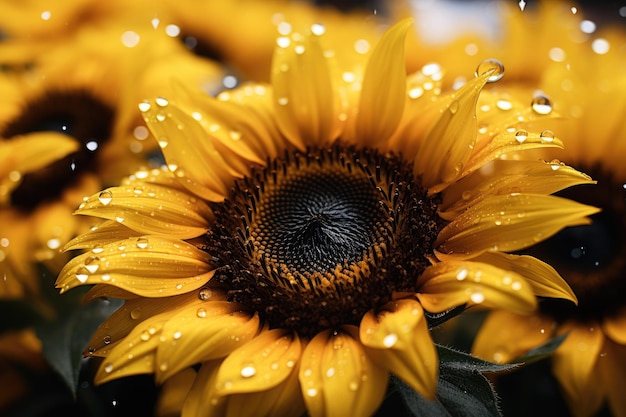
column 477, row 297
column 283, row 101
column 541, row 105
column 108, row 368
column 462, row 274
column 105, row 197
column 92, row 264
column 453, row 107
column 82, row 274
column 547, row 136
column 201, row 313
column 248, row 371
column 330, row 372
column 205, row 294
column 142, row 243
column 390, row 340
column 504, row 105
column 161, row 102
column 353, row 386
column 491, row 65
column 318, row 29
column 135, row 313
column 106, row 340
column 144, row 106
column 311, row 392
column 521, row 136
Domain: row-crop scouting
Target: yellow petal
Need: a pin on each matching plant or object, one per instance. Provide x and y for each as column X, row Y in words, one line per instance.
column 446, row 285
column 398, row 339
column 151, row 209
column 150, row 266
column 543, row 279
column 504, row 336
column 283, row 400
column 615, row 327
column 574, row 364
column 612, row 366
column 173, row 393
column 304, row 95
column 261, row 364
column 189, row 152
column 338, row 378
column 448, row 145
column 202, row 400
column 383, row 91
column 200, row 332
column 508, row 223
column 32, row 152
column 504, row 177
column 106, row 232
column 138, row 310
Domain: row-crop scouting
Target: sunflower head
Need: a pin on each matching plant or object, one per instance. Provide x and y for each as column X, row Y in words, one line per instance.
column 301, row 229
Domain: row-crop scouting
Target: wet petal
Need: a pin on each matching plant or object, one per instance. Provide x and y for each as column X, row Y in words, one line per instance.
column 399, row 339
column 504, row 336
column 508, row 223
column 383, row 91
column 200, row 332
column 138, row 310
column 502, row 177
column 338, row 378
column 196, row 163
column 574, row 365
column 173, row 393
column 448, row 145
column 202, row 400
column 543, row 279
column 306, row 115
column 151, row 209
column 446, row 285
column 261, row 364
column 106, row 232
column 158, row 264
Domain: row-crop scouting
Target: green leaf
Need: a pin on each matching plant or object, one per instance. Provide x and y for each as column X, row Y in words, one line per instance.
column 64, row 340
column 454, row 359
column 541, row 352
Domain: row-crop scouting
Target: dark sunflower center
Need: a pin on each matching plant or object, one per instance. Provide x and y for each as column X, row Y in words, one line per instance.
column 76, row 114
column 317, row 239
column 591, row 258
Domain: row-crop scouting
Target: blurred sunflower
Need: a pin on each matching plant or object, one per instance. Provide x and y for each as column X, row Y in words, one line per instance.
column 589, row 90
column 203, row 25
column 301, row 230
column 68, row 128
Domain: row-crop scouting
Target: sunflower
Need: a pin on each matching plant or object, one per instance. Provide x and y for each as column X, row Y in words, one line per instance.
column 67, row 129
column 300, row 230
column 588, row 89
column 451, row 34
column 203, row 25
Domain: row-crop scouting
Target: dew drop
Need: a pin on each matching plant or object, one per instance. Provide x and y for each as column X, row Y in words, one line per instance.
column 144, row 106
column 330, row 372
column 466, row 195
column 82, row 274
column 541, row 105
column 201, row 313
column 521, row 136
column 311, row 392
column 163, row 367
column 491, row 65
column 299, row 49
column 105, row 197
column 416, row 92
column 108, row 368
column 248, row 371
column 106, row 340
column 163, row 141
column 145, row 336
column 318, row 29
column 547, row 136
column 91, row 350
column 177, row 335
column 161, row 102
column 283, row 101
column 142, row 243
column 135, row 313
column 504, row 105
column 516, row 285
column 235, row 135
column 205, row 294
column 453, row 107
column 390, row 340
column 106, row 277
column 462, row 274
column 353, row 386
column 477, row 297
column 92, row 264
